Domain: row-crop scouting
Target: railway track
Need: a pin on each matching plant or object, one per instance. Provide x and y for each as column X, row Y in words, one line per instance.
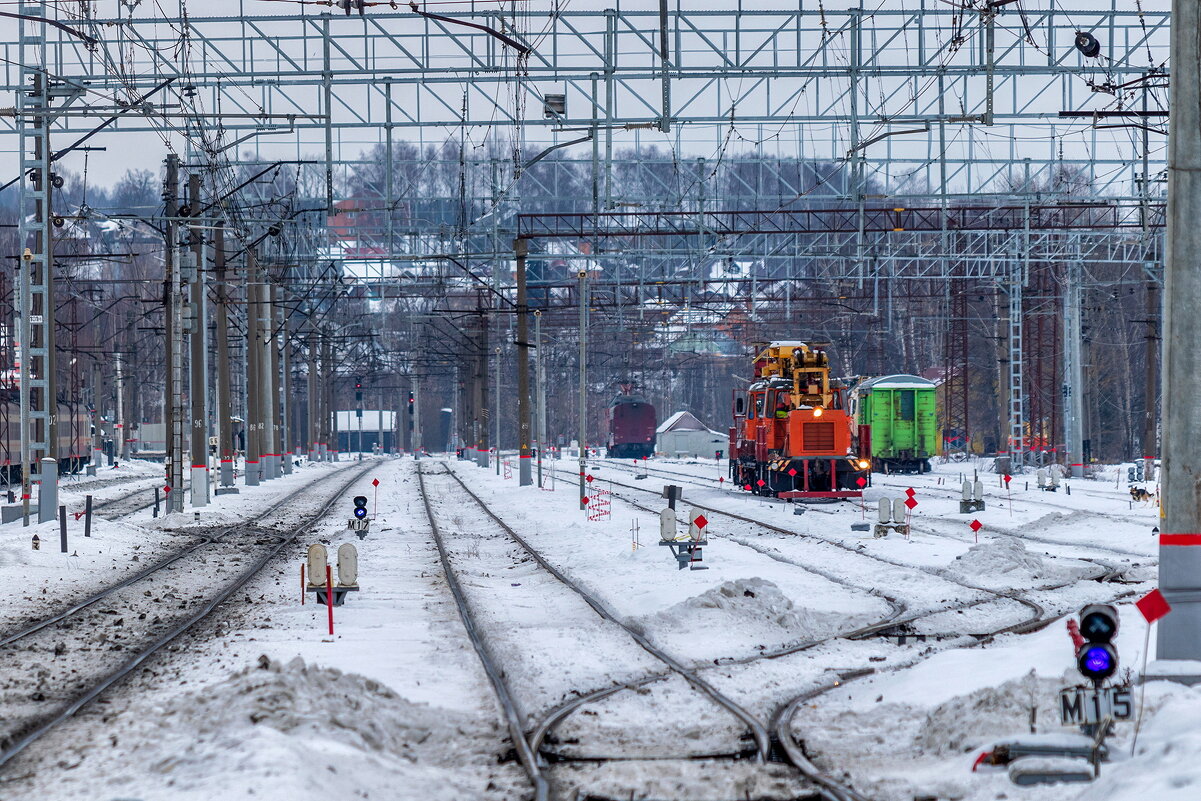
column 532, row 749
column 130, row 503
column 69, row 659
column 927, row 525
column 954, row 494
column 1032, row 623
column 783, row 720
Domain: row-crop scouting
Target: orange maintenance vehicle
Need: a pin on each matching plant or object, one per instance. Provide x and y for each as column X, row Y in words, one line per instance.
column 793, row 436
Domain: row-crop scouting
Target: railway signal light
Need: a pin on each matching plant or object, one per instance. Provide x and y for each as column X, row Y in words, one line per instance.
column 360, row 506
column 1096, row 658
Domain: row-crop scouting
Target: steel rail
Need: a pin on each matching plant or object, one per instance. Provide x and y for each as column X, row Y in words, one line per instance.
column 758, row 730
column 1047, row 541
column 1037, row 610
column 179, row 629
column 832, row 789
column 525, row 751
column 898, row 608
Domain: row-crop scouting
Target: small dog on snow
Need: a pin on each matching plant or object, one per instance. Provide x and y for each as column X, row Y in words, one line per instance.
column 1140, row 494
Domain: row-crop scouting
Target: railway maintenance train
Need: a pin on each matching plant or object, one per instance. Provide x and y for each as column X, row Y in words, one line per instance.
column 631, row 422
column 793, row 435
column 898, row 416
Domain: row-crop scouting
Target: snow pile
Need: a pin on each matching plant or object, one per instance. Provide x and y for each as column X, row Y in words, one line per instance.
column 747, row 613
column 297, row 731
column 1167, row 762
column 1007, row 557
column 976, row 720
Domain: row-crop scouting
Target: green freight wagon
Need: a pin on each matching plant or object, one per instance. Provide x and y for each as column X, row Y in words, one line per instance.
column 901, row 413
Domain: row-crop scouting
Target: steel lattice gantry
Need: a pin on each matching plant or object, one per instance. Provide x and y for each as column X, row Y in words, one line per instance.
column 931, row 96
column 919, row 108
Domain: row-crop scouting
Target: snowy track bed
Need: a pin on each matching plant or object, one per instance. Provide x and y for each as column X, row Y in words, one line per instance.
column 614, row 740
column 55, row 667
column 259, row 702
column 887, row 752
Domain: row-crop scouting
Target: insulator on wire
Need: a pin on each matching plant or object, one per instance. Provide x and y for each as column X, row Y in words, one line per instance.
column 1087, row 44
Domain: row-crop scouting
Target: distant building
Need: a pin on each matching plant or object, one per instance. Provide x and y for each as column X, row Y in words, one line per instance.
column 375, row 427
column 683, row 435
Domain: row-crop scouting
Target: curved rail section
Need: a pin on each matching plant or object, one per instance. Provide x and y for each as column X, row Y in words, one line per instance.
column 175, row 630
column 758, row 729
column 782, row 721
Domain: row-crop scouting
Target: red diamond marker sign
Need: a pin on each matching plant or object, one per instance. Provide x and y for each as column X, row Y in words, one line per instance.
column 747, row 488
column 167, row 489
column 861, row 481
column 792, row 471
column 721, row 479
column 1153, row 606
column 584, row 500
column 1007, row 478
column 375, row 482
column 761, row 483
column 588, row 479
column 910, row 492
column 975, row 525
column 911, row 503
column 700, row 521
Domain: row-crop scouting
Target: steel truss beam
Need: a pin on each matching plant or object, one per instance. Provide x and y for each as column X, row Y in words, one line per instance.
column 968, row 88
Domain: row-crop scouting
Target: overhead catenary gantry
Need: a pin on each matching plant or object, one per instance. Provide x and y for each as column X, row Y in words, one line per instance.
column 923, row 113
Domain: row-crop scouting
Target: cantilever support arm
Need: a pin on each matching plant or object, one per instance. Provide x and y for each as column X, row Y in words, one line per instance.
column 553, row 148
column 513, row 43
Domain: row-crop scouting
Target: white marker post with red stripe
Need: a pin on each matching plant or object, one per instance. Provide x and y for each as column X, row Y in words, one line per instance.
column 1179, row 634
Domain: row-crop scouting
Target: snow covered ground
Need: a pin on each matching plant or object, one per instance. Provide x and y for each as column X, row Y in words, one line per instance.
column 261, row 702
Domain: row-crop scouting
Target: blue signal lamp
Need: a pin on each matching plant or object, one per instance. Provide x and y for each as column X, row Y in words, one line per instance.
column 360, row 512
column 1097, row 661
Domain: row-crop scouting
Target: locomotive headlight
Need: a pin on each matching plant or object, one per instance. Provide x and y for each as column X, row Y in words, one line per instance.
column 817, row 411
column 863, row 464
